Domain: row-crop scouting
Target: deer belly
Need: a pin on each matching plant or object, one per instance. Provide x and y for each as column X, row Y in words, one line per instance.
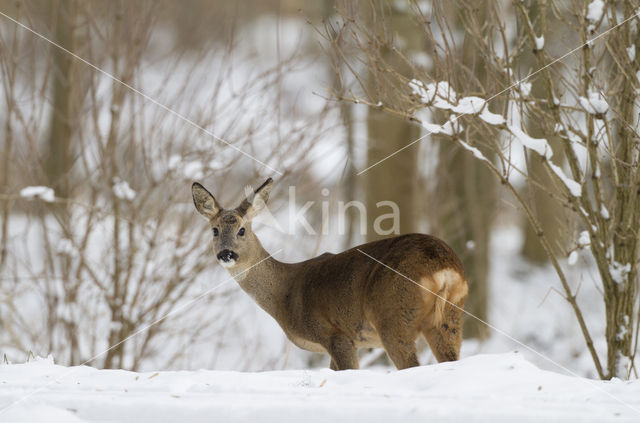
column 305, row 344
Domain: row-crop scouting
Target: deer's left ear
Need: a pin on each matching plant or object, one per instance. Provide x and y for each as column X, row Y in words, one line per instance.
column 255, row 202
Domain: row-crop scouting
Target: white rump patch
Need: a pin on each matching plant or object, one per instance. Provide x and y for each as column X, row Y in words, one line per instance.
column 449, row 284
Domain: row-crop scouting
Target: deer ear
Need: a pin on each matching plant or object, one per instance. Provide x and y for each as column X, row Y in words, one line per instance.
column 256, row 201
column 204, row 201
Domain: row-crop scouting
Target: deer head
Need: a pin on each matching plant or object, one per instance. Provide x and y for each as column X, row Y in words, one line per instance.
column 234, row 243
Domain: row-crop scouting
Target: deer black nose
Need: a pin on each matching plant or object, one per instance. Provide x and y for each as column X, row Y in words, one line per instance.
column 227, row 255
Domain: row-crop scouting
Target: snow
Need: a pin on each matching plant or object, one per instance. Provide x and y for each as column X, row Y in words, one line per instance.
column 595, row 104
column 477, row 153
column 623, row 364
column 604, row 212
column 491, row 118
column 442, row 96
column 594, row 11
column 174, row 161
column 584, row 240
column 539, row 145
column 622, row 331
column 41, row 192
column 193, row 170
column 450, row 127
column 483, row 388
column 573, row 258
column 524, row 88
column 619, row 271
column 574, row 187
column 631, row 51
column 539, row 42
column 65, row 246
column 439, row 94
column 122, row 190
column 432, row 128
column 469, row 105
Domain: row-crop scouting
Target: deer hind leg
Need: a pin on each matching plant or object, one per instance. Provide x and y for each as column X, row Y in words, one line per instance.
column 400, row 349
column 398, row 340
column 445, row 336
column 344, row 354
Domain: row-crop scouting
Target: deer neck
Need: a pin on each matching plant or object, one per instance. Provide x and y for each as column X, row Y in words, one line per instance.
column 265, row 279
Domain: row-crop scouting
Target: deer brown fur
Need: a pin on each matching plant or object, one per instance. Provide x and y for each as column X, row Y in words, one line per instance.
column 337, row 303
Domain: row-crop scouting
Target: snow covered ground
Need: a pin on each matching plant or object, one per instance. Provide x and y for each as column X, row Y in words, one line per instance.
column 492, row 388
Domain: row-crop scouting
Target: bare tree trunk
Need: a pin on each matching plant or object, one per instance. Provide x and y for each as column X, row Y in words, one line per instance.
column 396, row 179
column 467, row 191
column 66, row 98
column 9, row 80
column 547, row 210
column 346, row 115
column 58, row 160
column 621, row 294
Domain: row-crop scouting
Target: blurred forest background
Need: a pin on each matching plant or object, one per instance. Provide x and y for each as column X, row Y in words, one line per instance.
column 319, row 92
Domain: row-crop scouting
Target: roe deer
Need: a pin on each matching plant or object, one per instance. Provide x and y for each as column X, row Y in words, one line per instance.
column 336, row 303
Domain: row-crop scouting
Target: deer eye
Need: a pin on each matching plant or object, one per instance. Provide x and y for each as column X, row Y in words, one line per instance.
column 241, row 232
column 215, row 232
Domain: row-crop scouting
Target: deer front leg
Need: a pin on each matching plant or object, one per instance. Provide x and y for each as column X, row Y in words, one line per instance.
column 344, row 354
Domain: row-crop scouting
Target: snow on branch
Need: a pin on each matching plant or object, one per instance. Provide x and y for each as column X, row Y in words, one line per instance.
column 595, row 104
column 574, row 188
column 619, row 271
column 469, row 105
column 450, row 127
column 477, row 153
column 539, row 145
column 490, row 117
column 594, row 11
column 442, row 96
column 439, row 94
column 41, row 192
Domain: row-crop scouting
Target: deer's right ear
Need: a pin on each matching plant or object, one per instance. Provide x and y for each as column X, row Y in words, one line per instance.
column 204, row 201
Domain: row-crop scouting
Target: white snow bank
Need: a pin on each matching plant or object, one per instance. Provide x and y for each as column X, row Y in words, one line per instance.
column 483, row 388
column 42, row 192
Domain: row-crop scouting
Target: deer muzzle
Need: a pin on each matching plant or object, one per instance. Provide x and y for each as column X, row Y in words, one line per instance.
column 227, row 257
